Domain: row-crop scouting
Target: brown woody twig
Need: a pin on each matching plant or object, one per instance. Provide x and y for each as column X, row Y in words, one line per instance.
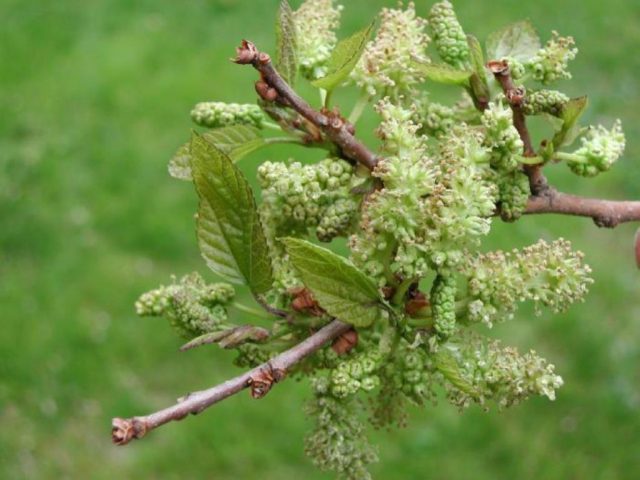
column 516, row 96
column 260, row 380
column 272, row 87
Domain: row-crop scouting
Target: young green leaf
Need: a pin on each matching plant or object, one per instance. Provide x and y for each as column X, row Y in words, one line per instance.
column 442, row 73
column 340, row 288
column 570, row 115
column 236, row 141
column 479, row 86
column 344, row 59
column 519, row 41
column 229, row 231
column 286, row 44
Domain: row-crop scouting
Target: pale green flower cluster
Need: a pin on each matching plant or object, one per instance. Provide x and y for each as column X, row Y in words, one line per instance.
column 502, row 137
column 551, row 275
column 477, row 370
column 220, row 114
column 600, row 149
column 338, row 441
column 387, row 64
column 448, row 36
column 316, row 22
column 192, row 306
column 545, row 101
column 551, row 62
column 513, row 194
column 432, row 206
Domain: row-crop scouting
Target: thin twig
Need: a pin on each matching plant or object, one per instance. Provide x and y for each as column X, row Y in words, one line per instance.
column 516, row 96
column 272, row 87
column 260, row 379
column 605, row 213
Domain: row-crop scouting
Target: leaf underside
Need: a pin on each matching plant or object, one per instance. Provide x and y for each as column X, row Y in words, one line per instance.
column 519, row 41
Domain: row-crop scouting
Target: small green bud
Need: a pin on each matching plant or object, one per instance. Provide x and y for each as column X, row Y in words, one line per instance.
column 448, row 36
column 551, row 62
column 220, row 114
column 599, row 150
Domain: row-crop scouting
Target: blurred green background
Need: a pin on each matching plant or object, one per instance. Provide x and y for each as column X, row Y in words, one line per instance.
column 95, row 97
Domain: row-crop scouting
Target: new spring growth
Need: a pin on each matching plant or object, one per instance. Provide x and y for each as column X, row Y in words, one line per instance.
column 600, row 149
column 448, row 36
column 387, row 64
column 220, row 114
column 551, row 62
column 316, row 22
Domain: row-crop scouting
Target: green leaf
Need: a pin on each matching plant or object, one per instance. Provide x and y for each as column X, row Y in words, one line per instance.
column 448, row 366
column 236, row 141
column 344, row 59
column 286, row 44
column 479, row 86
column 340, row 288
column 442, row 73
column 228, row 226
column 519, row 41
column 570, row 115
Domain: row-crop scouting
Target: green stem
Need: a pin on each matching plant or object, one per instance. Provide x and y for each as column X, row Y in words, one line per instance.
column 250, row 310
column 570, row 157
column 401, row 291
column 358, row 108
column 531, row 160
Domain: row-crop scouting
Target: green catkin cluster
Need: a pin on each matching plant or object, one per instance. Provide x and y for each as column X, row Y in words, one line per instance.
column 443, row 305
column 513, row 194
column 220, row 114
column 387, row 64
column 599, row 151
column 316, row 22
column 357, row 373
column 448, row 36
column 545, row 101
column 477, row 371
column 550, row 64
column 549, row 274
column 338, row 441
column 192, row 306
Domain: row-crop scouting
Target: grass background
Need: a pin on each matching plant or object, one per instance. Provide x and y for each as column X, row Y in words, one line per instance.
column 95, row 98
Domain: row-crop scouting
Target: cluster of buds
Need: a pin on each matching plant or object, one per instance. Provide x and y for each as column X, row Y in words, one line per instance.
column 545, row 101
column 387, row 64
column 355, row 374
column 448, row 36
column 550, row 64
column 600, row 149
column 443, row 304
column 192, row 306
column 513, row 194
column 220, row 114
column 316, row 22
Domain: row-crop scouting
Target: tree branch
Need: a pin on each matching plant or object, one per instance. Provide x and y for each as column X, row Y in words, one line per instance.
column 272, row 87
column 260, row 379
column 516, row 96
column 605, row 213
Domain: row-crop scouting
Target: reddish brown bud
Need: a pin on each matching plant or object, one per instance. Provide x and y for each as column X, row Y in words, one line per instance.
column 246, row 53
column 304, row 302
column 498, row 67
column 123, row 431
column 262, row 381
column 264, row 58
column 416, row 303
column 265, row 91
column 345, row 342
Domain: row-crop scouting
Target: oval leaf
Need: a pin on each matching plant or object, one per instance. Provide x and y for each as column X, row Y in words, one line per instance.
column 344, row 59
column 519, row 41
column 229, row 231
column 339, row 287
column 236, row 141
column 479, row 85
column 570, row 115
column 286, row 44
